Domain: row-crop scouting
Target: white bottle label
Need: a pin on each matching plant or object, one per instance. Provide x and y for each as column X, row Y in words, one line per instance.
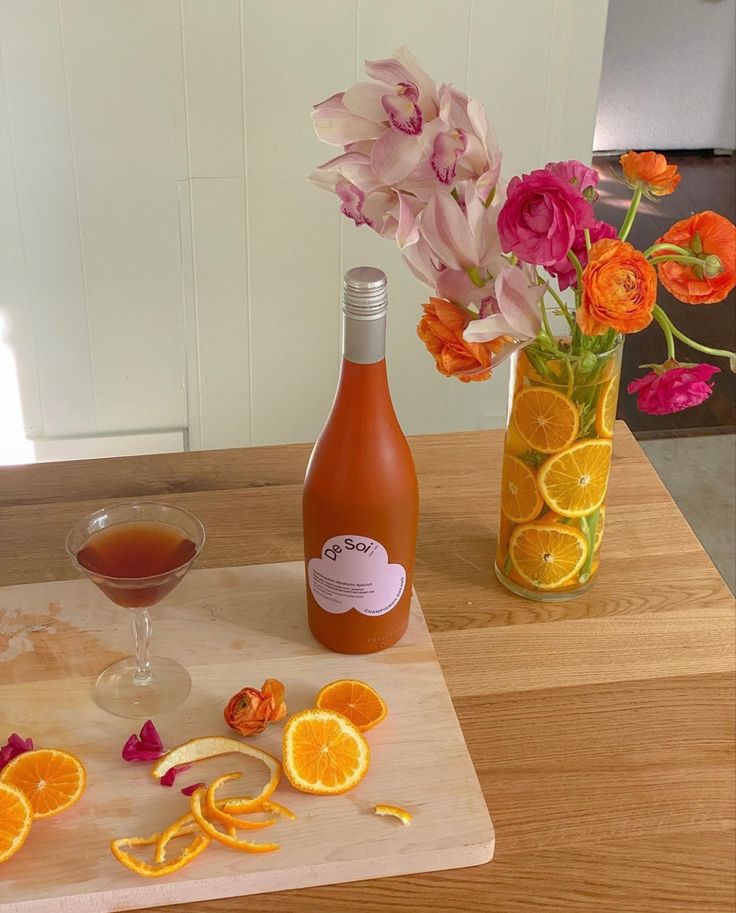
column 354, row 573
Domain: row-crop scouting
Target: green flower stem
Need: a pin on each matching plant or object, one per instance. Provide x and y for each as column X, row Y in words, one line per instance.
column 545, row 320
column 664, row 322
column 572, row 257
column 623, row 232
column 657, row 247
column 661, row 317
column 586, row 233
column 678, row 258
column 563, row 307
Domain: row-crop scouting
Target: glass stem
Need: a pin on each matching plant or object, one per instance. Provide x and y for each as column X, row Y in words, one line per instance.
column 142, row 636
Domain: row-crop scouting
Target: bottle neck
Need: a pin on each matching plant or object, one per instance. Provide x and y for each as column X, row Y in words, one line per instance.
column 363, row 341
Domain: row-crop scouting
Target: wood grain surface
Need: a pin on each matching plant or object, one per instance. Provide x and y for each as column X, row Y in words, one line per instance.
column 230, row 627
column 602, row 729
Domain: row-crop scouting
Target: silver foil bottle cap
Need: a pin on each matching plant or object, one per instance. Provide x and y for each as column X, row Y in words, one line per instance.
column 364, row 294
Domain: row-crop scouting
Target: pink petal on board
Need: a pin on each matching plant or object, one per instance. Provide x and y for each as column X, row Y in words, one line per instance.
column 395, row 156
column 149, row 737
column 172, row 773
column 403, row 112
column 190, row 790
column 446, row 150
column 13, row 747
column 147, row 746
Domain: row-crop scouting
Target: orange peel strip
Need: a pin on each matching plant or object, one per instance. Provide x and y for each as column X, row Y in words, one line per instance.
column 244, row 846
column 213, row 746
column 394, row 810
column 149, row 870
column 211, row 809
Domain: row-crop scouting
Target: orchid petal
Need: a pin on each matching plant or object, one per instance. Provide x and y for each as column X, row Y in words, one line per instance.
column 488, row 328
column 518, row 301
column 421, row 261
column 407, row 231
column 456, row 286
column 403, row 112
column 364, row 99
column 389, row 71
column 446, row 230
column 424, row 82
column 395, row 156
column 335, row 125
column 446, row 150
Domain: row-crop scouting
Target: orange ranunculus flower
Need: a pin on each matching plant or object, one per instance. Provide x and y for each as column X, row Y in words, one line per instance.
column 251, row 710
column 650, row 171
column 441, row 331
column 706, row 234
column 619, row 289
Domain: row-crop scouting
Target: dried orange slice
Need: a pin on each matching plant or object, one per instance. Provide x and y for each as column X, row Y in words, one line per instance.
column 324, row 753
column 16, row 816
column 605, row 412
column 400, row 813
column 547, row 420
column 212, row 746
column 520, row 498
column 210, row 807
column 51, row 779
column 357, row 701
column 547, row 556
column 155, row 870
column 574, row 482
column 229, row 839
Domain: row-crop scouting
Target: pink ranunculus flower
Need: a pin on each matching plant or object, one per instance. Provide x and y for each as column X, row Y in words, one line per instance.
column 580, row 176
column 541, row 217
column 673, row 387
column 564, row 269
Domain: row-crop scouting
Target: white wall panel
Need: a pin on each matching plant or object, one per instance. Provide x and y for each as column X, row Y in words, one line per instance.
column 295, row 54
column 35, row 86
column 124, row 73
column 169, row 261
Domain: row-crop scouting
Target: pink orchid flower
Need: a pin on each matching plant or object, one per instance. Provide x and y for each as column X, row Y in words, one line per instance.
column 512, row 309
column 461, row 232
column 368, row 201
column 480, row 157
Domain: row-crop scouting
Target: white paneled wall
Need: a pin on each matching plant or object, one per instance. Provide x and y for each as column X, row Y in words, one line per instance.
column 165, row 264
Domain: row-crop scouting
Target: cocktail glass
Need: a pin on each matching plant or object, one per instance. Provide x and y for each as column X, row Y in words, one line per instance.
column 140, row 685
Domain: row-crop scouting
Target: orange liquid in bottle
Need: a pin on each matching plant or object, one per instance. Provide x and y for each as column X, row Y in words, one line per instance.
column 360, row 503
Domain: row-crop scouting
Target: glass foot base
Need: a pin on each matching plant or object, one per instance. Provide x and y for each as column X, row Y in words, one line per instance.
column 543, row 595
column 117, row 691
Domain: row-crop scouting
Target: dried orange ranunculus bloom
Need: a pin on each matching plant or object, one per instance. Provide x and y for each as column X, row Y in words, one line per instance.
column 619, row 289
column 706, row 234
column 251, row 710
column 441, row 331
column 650, row 171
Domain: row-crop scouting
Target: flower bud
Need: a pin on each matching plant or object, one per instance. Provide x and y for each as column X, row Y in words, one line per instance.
column 712, row 266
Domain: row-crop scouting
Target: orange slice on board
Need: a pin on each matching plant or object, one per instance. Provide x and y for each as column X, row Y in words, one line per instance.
column 51, row 779
column 16, row 816
column 213, row 746
column 229, row 839
column 394, row 810
column 605, row 412
column 547, row 556
column 357, row 701
column 574, row 482
column 520, row 498
column 324, row 753
column 547, row 420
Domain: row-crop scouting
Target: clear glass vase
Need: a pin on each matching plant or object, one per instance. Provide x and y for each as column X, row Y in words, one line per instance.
column 556, row 461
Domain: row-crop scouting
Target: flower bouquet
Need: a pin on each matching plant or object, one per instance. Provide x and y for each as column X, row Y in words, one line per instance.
column 420, row 165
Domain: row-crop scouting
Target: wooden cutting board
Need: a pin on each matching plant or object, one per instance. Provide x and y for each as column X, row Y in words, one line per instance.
column 230, row 627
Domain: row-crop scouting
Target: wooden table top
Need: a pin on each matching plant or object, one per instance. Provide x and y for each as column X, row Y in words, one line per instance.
column 602, row 729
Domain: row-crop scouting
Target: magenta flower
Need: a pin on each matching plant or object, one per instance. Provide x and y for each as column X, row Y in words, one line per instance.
column 580, row 176
column 673, row 387
column 564, row 269
column 13, row 747
column 541, row 217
